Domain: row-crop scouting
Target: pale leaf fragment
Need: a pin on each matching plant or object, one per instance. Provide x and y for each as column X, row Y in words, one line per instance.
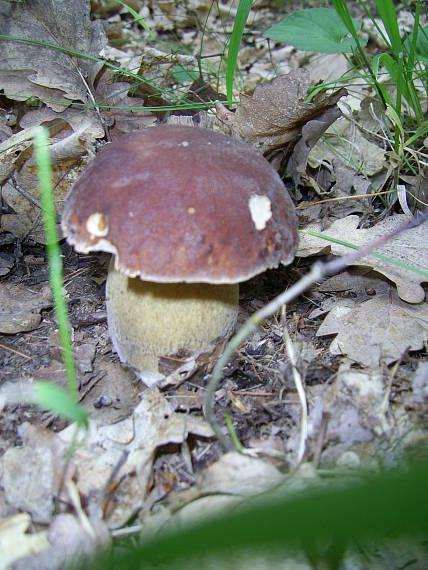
column 153, row 424
column 344, row 143
column 15, row 542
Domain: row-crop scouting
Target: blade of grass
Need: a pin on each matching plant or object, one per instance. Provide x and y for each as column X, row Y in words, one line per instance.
column 139, row 19
column 388, row 14
column 41, row 153
column 342, row 9
column 235, row 41
column 57, row 400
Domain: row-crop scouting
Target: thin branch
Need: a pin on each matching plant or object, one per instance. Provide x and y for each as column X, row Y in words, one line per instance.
column 298, row 382
column 319, row 270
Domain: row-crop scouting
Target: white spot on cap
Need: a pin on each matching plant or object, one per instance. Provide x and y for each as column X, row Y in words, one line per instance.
column 184, row 143
column 260, row 210
column 97, row 225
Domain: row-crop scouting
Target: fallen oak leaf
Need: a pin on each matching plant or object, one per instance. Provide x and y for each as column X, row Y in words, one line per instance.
column 377, row 331
column 68, row 146
column 273, row 116
column 29, row 67
column 410, row 247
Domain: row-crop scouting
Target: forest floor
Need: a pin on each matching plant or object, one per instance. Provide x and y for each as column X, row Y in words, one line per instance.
column 360, row 338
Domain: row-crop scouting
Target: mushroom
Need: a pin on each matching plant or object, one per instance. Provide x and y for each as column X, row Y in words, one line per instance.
column 188, row 213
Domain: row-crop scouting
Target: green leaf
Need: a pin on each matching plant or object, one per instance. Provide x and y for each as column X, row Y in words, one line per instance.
column 51, row 397
column 184, row 74
column 315, row 29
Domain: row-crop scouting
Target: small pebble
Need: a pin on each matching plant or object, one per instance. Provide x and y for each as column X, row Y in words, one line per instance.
column 102, row 402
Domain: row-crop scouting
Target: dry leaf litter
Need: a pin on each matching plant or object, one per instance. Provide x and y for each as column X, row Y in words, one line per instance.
column 360, row 337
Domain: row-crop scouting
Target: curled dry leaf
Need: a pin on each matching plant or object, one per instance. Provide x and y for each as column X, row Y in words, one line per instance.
column 14, row 151
column 20, row 308
column 120, row 115
column 28, row 70
column 272, row 118
column 72, row 132
column 410, row 247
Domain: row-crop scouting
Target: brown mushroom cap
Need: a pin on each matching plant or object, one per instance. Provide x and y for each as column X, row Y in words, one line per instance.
column 182, row 204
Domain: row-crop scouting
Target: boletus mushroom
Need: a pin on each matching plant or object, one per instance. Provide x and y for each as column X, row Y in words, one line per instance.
column 188, row 213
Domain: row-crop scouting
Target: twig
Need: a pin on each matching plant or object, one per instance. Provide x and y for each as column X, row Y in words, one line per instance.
column 106, row 489
column 319, row 270
column 300, row 391
column 14, row 351
column 95, row 104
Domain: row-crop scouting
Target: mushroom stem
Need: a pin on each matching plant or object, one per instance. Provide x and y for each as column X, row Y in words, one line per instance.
column 148, row 320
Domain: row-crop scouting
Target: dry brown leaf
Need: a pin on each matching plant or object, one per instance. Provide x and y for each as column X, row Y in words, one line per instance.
column 34, row 70
column 344, row 143
column 238, row 474
column 153, row 424
column 67, row 146
column 410, row 247
column 272, row 118
column 20, row 308
column 327, row 66
column 29, row 481
column 14, row 151
column 377, row 331
column 73, row 133
column 115, row 93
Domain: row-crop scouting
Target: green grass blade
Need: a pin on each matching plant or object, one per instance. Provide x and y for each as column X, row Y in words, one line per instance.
column 235, row 41
column 386, row 258
column 388, row 14
column 44, row 169
column 342, row 9
column 139, row 19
